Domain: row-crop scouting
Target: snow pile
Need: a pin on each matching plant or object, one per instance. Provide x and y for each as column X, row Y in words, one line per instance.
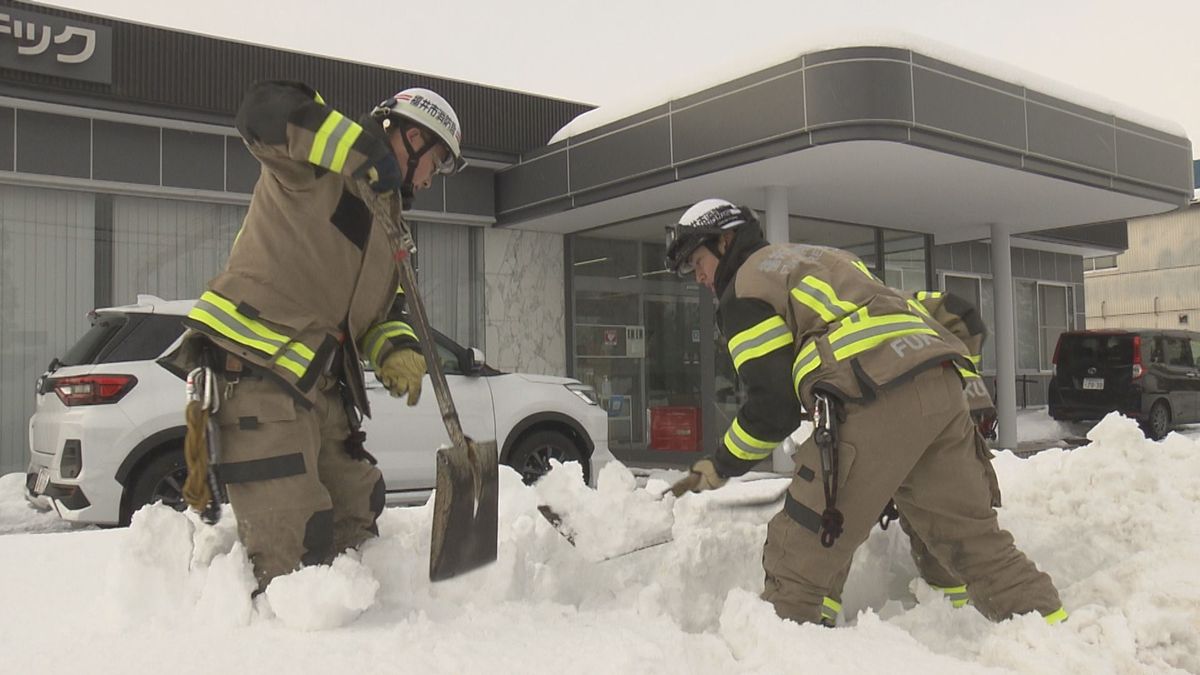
column 323, row 596
column 645, row 517
column 1113, row 522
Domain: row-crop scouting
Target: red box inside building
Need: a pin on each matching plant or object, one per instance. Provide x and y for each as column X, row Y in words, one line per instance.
column 675, row 428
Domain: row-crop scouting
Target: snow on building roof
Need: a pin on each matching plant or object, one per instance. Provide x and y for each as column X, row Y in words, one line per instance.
column 750, row 61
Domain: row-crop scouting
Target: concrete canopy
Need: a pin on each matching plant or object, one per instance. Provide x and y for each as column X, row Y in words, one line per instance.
column 877, row 136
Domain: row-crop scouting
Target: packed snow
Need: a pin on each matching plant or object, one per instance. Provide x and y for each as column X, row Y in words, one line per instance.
column 1116, row 523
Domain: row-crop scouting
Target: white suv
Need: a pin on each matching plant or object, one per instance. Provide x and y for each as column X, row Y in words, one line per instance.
column 107, row 434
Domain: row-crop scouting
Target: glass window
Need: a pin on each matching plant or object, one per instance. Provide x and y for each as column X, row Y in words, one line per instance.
column 147, row 338
column 857, row 239
column 1177, row 352
column 606, row 258
column 987, row 307
column 169, row 248
column 904, row 260
column 971, row 289
column 85, row 350
column 1055, row 318
column 1103, row 262
column 1026, row 309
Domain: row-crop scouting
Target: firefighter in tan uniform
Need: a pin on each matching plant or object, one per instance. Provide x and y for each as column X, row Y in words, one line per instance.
column 306, row 294
column 964, row 322
column 810, row 327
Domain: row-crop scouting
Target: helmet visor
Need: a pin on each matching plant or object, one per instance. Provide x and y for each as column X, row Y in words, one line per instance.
column 679, row 251
column 447, row 164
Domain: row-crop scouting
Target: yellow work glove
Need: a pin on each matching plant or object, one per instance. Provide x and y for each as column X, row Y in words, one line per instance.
column 703, row 476
column 401, row 373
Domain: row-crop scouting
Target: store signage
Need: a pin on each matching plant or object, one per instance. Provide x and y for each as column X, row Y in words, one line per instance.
column 53, row 45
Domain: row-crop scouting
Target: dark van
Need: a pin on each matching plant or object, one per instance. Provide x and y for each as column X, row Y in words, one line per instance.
column 1147, row 374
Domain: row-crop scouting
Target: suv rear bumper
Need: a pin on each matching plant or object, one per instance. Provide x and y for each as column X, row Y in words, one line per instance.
column 59, row 496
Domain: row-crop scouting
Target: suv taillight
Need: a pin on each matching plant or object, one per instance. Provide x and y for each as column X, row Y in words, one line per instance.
column 92, row 389
column 1138, row 371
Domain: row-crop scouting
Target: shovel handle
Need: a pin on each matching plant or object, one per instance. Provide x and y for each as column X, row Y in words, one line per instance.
column 402, row 248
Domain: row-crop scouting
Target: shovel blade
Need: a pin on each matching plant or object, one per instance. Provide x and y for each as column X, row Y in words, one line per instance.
column 464, row 510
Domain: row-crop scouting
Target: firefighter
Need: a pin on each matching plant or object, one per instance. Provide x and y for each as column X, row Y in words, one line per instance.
column 305, row 296
column 810, row 328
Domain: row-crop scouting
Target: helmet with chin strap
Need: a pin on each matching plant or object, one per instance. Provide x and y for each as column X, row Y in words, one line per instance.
column 430, row 112
column 702, row 224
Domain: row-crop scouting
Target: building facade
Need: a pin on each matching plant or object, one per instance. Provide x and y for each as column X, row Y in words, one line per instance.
column 121, row 174
column 1155, row 283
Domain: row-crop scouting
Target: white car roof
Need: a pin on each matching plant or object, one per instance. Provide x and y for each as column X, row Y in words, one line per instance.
column 152, row 304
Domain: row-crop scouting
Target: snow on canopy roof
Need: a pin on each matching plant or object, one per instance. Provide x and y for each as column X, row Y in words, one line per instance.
column 748, row 62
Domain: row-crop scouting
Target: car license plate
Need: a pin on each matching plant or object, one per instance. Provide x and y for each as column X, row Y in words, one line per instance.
column 43, row 480
column 1093, row 383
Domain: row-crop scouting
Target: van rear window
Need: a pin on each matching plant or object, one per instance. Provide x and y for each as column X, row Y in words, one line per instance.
column 1095, row 350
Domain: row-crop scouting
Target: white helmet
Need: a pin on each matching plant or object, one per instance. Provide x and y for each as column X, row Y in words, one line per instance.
column 430, row 111
column 703, row 222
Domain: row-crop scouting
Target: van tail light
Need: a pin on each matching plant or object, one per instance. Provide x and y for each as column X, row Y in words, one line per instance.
column 92, row 389
column 1138, row 371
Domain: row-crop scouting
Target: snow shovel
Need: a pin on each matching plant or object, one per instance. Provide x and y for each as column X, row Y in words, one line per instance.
column 466, row 500
column 555, row 519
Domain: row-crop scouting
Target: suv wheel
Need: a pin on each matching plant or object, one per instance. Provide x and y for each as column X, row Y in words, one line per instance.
column 1158, row 423
column 531, row 457
column 160, row 480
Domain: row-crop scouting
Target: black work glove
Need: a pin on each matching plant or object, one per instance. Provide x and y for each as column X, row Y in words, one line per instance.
column 384, row 175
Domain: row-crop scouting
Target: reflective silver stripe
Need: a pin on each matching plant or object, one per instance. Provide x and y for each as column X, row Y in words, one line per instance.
column 331, row 142
column 821, row 297
column 803, row 365
column 292, row 354
column 237, row 327
column 745, row 446
column 777, row 332
column 874, row 331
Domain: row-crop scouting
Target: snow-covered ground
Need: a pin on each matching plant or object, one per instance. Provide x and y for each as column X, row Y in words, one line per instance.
column 1116, row 523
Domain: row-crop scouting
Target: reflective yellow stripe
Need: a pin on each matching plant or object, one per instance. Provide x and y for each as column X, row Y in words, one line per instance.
column 830, row 608
column 296, row 369
column 332, row 141
column 806, row 361
column 866, row 332
column 957, row 595
column 212, row 322
column 926, row 295
column 865, row 270
column 918, row 307
column 321, row 139
column 231, row 311
column 744, row 446
column 967, row 373
column 318, row 99
column 222, row 316
column 343, row 148
column 1057, row 616
column 821, row 298
column 378, row 336
column 976, row 359
column 758, row 340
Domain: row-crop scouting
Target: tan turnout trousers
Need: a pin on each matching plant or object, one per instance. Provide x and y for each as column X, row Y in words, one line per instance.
column 915, row 441
column 299, row 497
